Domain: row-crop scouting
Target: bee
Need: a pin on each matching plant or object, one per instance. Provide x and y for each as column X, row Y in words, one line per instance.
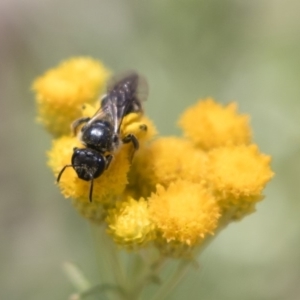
column 100, row 134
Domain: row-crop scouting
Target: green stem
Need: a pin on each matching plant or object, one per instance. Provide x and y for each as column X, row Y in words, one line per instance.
column 149, row 275
column 109, row 263
column 98, row 290
column 114, row 260
column 105, row 275
column 76, row 277
column 172, row 281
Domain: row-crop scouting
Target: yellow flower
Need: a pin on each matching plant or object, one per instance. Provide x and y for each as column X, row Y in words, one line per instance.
column 129, row 224
column 210, row 125
column 188, row 188
column 62, row 91
column 163, row 161
column 238, row 175
column 184, row 214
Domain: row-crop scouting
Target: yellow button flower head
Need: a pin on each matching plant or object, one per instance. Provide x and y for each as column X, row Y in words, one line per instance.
column 211, row 125
column 129, row 224
column 60, row 92
column 238, row 175
column 188, row 187
column 163, row 161
column 185, row 214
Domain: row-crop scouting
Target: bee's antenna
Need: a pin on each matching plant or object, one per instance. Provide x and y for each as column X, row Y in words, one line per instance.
column 91, row 190
column 61, row 172
column 92, row 180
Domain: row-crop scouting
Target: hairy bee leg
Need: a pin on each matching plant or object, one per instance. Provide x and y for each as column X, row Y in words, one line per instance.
column 131, row 138
column 78, row 122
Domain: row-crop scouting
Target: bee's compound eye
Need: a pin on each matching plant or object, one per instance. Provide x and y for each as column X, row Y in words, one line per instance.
column 88, row 163
column 101, row 165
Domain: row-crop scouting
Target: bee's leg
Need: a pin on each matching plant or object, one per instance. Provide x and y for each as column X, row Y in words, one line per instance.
column 109, row 158
column 143, row 127
column 78, row 122
column 131, row 138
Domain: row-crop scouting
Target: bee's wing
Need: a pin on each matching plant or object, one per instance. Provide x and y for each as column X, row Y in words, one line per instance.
column 105, row 113
column 125, row 93
column 134, row 83
column 110, row 108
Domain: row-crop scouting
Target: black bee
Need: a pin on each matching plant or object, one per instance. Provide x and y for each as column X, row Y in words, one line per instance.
column 101, row 133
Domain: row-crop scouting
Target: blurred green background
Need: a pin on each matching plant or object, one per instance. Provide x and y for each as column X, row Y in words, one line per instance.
column 248, row 51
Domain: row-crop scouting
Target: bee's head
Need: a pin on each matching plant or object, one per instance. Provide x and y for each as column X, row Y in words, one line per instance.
column 88, row 164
